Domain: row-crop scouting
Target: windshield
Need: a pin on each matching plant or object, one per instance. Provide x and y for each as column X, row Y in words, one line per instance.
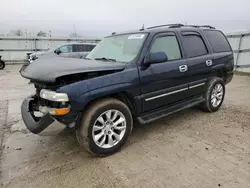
column 123, row 48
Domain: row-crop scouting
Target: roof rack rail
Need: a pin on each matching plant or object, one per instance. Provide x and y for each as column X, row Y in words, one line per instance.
column 181, row 25
column 209, row 26
column 169, row 25
column 198, row 26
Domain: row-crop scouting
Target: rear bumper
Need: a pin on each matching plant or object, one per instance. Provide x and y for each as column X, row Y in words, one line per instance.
column 46, row 125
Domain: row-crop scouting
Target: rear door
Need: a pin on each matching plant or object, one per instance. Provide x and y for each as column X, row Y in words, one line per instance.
column 162, row 83
column 198, row 59
column 222, row 51
column 84, row 49
column 76, row 50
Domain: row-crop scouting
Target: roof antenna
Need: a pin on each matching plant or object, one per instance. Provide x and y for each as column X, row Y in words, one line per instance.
column 76, row 36
column 142, row 29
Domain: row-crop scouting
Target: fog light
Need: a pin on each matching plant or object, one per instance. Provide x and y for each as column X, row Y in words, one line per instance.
column 43, row 109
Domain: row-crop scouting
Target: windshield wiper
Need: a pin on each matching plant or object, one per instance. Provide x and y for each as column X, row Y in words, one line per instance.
column 105, row 59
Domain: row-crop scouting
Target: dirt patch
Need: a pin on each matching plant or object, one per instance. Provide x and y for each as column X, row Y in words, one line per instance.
column 187, row 149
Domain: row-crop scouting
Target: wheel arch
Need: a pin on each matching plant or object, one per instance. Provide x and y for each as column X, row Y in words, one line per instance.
column 123, row 96
column 221, row 73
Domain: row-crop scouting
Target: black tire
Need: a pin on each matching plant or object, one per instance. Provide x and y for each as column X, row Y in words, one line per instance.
column 84, row 130
column 207, row 105
column 2, row 65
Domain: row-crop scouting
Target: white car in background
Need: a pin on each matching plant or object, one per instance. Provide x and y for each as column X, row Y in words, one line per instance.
column 71, row 50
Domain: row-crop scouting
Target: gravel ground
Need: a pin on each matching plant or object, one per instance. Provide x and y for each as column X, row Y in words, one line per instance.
column 188, row 149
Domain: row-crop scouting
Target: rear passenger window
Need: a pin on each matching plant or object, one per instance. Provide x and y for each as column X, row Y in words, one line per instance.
column 83, row 47
column 194, row 45
column 218, row 41
column 167, row 44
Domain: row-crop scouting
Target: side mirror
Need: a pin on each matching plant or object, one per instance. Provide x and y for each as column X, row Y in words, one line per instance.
column 157, row 57
column 58, row 51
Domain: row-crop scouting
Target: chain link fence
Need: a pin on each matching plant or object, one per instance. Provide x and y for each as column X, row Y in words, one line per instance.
column 15, row 49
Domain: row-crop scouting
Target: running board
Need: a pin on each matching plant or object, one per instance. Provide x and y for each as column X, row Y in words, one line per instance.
column 163, row 112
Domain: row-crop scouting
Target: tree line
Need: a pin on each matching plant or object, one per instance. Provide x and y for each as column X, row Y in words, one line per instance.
column 20, row 32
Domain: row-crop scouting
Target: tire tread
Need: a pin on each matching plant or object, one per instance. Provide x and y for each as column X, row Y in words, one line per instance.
column 84, row 139
column 206, row 105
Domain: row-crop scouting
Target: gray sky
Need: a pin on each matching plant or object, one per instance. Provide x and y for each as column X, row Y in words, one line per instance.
column 101, row 17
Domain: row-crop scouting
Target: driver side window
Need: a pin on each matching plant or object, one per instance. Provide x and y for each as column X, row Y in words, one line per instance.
column 66, row 49
column 167, row 44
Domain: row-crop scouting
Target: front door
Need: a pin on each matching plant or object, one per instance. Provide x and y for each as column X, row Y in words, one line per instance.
column 163, row 83
column 66, row 50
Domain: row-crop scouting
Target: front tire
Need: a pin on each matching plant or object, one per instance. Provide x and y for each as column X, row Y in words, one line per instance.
column 2, row 65
column 214, row 95
column 105, row 127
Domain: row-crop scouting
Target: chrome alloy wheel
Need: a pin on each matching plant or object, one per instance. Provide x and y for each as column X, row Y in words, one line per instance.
column 109, row 128
column 217, row 95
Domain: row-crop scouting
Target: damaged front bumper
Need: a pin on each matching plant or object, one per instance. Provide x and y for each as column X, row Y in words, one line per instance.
column 45, row 125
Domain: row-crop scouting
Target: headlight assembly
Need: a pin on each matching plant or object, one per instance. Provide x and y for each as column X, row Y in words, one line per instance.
column 53, row 96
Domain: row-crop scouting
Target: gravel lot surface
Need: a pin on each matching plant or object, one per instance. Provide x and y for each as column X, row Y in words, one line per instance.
column 188, row 149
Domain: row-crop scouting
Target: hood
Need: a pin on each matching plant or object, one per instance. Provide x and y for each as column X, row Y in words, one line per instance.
column 47, row 70
column 37, row 54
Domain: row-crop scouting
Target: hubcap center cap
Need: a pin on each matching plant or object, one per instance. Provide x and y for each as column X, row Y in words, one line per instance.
column 108, row 126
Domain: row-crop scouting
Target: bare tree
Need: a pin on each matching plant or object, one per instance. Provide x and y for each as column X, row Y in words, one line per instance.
column 41, row 34
column 73, row 34
column 17, row 32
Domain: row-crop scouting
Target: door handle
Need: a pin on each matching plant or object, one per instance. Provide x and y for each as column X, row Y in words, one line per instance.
column 183, row 68
column 209, row 63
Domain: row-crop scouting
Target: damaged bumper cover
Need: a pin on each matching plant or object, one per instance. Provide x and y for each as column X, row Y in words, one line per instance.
column 44, row 125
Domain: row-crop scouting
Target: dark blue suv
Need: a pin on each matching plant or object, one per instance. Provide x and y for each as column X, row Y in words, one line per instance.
column 140, row 75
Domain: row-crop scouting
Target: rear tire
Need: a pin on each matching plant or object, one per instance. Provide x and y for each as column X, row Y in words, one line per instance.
column 105, row 127
column 214, row 95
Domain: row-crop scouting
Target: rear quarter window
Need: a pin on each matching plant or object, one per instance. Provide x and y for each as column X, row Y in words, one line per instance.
column 218, row 41
column 91, row 47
